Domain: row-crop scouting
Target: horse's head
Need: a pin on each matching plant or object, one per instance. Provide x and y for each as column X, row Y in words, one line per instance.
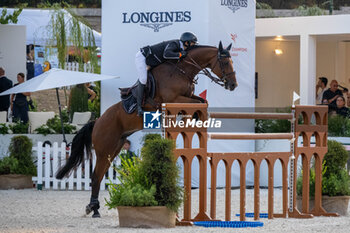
column 223, row 67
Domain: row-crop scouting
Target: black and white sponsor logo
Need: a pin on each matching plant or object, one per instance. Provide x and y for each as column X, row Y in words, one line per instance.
column 234, row 5
column 157, row 20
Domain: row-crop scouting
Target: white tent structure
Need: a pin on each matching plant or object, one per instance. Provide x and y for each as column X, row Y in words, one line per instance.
column 37, row 22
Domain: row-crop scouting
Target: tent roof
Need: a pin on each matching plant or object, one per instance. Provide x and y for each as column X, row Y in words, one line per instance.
column 37, row 21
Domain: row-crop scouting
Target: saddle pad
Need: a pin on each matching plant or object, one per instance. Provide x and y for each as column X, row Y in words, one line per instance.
column 128, row 95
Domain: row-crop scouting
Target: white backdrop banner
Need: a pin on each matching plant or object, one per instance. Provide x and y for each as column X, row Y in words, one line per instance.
column 129, row 25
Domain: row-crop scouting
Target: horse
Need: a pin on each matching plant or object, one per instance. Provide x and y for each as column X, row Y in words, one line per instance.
column 174, row 84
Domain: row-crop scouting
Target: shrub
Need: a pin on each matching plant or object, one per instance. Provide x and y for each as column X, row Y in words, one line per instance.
column 159, row 167
column 134, row 189
column 335, row 180
column 8, row 165
column 78, row 100
column 151, row 181
column 54, row 125
column 310, row 11
column 4, row 129
column 339, row 126
column 19, row 127
column 274, row 126
column 20, row 159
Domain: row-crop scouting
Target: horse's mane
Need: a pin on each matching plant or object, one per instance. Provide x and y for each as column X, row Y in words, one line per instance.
column 200, row 47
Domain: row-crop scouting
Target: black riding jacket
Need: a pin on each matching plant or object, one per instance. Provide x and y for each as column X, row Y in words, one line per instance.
column 159, row 53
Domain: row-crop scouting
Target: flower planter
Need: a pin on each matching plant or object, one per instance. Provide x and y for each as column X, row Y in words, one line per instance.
column 146, row 217
column 337, row 204
column 15, row 181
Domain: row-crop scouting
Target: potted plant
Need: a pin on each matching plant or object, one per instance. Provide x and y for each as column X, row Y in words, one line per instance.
column 335, row 181
column 16, row 170
column 149, row 195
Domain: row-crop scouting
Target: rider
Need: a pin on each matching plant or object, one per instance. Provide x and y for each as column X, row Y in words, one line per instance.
column 151, row 56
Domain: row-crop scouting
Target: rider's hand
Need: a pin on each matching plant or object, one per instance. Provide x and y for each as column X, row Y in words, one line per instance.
column 183, row 54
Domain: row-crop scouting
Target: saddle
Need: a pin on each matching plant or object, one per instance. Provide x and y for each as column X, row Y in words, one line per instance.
column 129, row 94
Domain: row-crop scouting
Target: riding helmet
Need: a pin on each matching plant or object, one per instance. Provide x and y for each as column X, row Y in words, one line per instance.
column 188, row 37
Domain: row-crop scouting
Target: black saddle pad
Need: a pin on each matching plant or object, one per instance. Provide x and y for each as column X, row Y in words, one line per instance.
column 129, row 94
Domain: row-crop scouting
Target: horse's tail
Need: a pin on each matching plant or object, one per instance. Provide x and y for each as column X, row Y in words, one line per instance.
column 81, row 139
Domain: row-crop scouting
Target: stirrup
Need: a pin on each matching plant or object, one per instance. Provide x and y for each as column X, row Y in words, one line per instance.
column 139, row 111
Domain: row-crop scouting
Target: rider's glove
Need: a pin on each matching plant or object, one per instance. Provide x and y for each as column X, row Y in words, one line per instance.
column 183, row 54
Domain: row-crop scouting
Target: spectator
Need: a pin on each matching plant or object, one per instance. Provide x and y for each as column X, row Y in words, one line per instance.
column 331, row 95
column 126, row 152
column 91, row 92
column 320, row 89
column 5, row 84
column 30, row 61
column 19, row 103
column 341, row 109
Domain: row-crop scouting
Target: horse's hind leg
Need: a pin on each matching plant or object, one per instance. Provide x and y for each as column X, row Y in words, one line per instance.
column 102, row 164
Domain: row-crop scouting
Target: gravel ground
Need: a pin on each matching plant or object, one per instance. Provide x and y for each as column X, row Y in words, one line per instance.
column 63, row 211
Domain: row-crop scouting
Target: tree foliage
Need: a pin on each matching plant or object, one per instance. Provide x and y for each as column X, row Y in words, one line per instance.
column 41, row 3
column 292, row 4
column 10, row 18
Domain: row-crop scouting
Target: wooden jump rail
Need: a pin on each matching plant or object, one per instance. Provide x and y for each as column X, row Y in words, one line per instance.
column 250, row 136
column 306, row 130
column 251, row 115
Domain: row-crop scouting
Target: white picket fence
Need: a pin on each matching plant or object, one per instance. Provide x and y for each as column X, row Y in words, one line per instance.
column 50, row 159
column 74, row 66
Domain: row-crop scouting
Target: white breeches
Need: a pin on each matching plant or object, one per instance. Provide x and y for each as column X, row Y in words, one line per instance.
column 141, row 67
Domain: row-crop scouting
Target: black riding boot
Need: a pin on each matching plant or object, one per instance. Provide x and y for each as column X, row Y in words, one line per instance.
column 140, row 91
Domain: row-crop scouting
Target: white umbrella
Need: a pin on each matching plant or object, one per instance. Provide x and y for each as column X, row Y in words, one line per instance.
column 56, row 78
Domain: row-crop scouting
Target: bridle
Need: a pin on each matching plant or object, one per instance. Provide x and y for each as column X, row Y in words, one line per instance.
column 220, row 81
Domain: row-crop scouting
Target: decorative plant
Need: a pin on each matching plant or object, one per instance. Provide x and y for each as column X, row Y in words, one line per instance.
column 19, row 127
column 3, row 128
column 78, row 101
column 20, row 160
column 54, row 126
column 134, row 189
column 274, row 126
column 159, row 166
column 339, row 126
column 151, row 181
column 335, row 179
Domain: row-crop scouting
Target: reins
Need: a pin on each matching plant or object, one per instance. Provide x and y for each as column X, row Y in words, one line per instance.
column 205, row 71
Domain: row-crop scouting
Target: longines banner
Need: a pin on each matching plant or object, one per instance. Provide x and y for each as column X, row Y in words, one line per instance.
column 129, row 25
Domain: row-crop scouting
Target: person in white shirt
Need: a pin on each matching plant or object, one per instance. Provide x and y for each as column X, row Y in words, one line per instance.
column 320, row 89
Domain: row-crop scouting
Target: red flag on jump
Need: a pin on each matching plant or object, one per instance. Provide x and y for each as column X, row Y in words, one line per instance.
column 203, row 94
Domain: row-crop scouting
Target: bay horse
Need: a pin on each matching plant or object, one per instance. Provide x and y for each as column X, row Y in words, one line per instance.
column 174, row 84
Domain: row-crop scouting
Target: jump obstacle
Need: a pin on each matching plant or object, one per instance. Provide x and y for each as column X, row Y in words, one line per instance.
column 306, row 129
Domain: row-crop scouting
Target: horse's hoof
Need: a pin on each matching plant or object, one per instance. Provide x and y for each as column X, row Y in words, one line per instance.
column 88, row 209
column 96, row 214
